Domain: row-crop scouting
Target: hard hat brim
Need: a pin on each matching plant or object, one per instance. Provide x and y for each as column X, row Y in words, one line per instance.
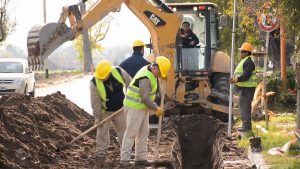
column 102, row 77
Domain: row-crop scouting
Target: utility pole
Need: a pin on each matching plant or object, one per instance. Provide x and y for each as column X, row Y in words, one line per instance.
column 298, row 94
column 231, row 70
column 264, row 105
column 46, row 60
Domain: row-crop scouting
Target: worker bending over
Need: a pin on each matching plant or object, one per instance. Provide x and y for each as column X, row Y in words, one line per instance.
column 139, row 99
column 107, row 96
column 245, row 80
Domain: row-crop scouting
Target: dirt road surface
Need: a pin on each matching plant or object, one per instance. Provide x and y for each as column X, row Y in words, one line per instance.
column 75, row 88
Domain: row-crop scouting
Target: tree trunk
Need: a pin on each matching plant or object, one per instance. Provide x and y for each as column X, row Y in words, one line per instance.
column 87, row 58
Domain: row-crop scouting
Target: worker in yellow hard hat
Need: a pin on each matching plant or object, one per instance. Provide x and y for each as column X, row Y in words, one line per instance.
column 139, row 100
column 135, row 62
column 107, row 96
column 245, row 80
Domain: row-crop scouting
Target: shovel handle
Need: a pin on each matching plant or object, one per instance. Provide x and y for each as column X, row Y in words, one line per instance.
column 163, row 91
column 91, row 129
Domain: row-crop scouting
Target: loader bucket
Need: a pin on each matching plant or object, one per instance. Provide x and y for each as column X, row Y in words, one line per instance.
column 42, row 40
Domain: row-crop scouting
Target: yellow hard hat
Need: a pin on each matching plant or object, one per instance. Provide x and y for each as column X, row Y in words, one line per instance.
column 138, row 43
column 164, row 65
column 103, row 69
column 246, row 47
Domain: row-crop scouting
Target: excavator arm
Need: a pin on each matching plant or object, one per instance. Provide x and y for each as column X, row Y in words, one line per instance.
column 161, row 22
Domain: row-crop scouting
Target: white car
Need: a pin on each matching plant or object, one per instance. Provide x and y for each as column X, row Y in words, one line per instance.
column 15, row 77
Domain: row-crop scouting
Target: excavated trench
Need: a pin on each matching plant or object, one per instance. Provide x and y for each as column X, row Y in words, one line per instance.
column 31, row 129
column 201, row 140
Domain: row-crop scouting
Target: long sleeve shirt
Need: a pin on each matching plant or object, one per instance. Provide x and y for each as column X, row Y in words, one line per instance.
column 145, row 92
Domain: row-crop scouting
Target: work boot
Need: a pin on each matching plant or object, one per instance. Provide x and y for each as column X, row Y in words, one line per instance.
column 125, row 163
column 144, row 163
column 243, row 130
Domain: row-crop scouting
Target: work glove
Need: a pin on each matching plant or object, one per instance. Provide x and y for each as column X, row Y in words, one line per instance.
column 159, row 112
column 233, row 80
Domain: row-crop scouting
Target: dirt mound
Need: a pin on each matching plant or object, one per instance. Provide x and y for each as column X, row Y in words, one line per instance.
column 31, row 129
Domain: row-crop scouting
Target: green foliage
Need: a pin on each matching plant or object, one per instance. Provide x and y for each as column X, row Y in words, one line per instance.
column 96, row 34
column 284, row 98
column 290, row 11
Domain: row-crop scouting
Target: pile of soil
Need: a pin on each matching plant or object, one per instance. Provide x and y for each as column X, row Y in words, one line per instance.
column 32, row 128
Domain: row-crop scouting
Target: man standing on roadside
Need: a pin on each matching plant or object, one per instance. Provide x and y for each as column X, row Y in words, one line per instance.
column 245, row 80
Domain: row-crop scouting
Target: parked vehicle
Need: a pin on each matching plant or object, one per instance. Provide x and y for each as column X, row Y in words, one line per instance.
column 15, row 77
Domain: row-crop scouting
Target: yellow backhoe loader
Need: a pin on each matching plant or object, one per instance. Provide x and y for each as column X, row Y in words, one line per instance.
column 198, row 77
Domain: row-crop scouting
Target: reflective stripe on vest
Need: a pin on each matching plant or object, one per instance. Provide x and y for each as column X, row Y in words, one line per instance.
column 251, row 82
column 101, row 89
column 132, row 97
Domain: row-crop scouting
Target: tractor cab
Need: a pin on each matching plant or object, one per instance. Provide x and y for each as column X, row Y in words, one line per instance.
column 195, row 60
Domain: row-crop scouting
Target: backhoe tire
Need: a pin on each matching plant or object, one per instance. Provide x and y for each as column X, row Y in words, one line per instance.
column 220, row 82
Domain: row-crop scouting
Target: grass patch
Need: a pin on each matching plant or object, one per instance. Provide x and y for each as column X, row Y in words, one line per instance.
column 282, row 162
column 279, row 133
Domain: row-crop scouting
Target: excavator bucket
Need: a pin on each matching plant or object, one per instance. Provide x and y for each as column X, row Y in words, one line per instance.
column 42, row 40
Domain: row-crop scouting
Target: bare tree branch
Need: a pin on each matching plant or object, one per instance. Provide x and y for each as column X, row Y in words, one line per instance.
column 6, row 25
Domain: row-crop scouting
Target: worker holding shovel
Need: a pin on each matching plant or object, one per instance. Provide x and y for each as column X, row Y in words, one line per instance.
column 107, row 96
column 139, row 99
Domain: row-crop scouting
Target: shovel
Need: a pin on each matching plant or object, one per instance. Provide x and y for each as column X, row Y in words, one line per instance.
column 255, row 143
column 61, row 148
column 163, row 91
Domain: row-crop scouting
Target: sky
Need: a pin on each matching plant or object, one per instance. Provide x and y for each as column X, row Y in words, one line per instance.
column 125, row 27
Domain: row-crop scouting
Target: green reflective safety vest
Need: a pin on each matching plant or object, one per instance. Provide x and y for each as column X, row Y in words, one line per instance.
column 133, row 98
column 101, row 89
column 251, row 82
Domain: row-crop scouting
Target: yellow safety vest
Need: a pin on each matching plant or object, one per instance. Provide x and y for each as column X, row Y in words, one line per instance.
column 251, row 82
column 101, row 89
column 133, row 98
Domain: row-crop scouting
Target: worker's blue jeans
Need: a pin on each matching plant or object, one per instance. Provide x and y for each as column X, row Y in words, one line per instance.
column 246, row 95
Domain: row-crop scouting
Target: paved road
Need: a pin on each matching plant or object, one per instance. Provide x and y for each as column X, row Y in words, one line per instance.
column 76, row 90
